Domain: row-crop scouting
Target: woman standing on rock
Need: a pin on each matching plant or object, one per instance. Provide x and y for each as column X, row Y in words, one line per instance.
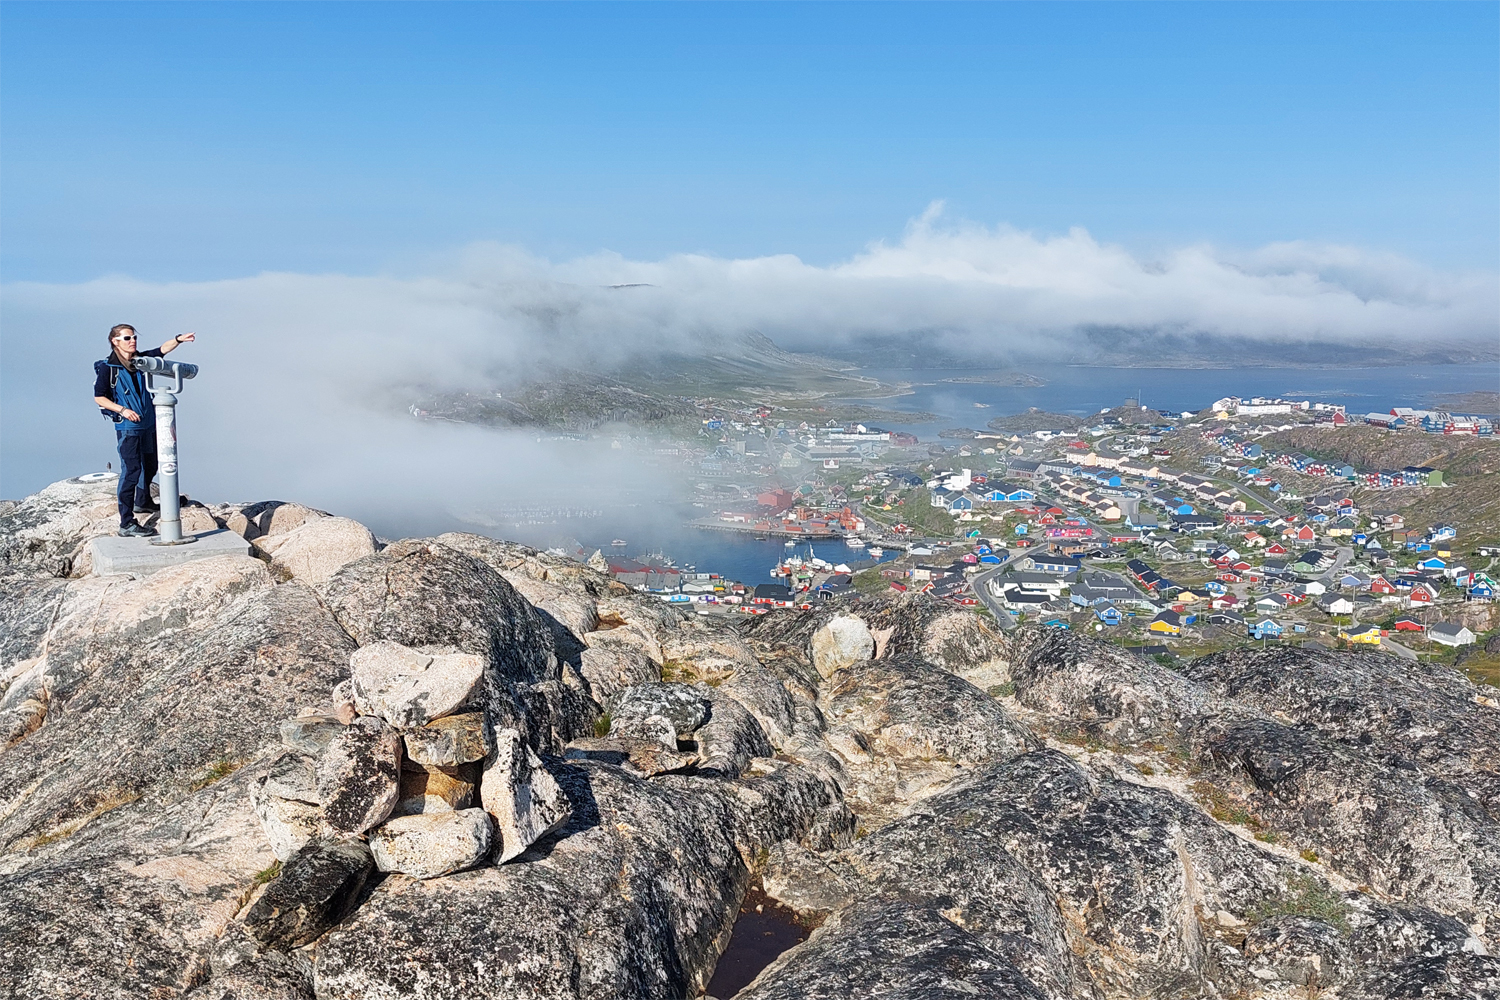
column 121, row 394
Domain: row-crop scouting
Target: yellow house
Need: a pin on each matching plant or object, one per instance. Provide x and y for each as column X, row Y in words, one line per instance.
column 1166, row 623
column 1368, row 634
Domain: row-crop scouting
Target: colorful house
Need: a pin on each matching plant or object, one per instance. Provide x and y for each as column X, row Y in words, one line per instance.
column 1265, row 628
column 1166, row 623
column 1367, row 634
column 1421, row 593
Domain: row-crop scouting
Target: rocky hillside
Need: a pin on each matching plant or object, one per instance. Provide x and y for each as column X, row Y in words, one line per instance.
column 456, row 767
column 1367, row 447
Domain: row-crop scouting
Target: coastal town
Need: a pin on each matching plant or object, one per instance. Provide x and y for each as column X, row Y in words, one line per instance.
column 1175, row 533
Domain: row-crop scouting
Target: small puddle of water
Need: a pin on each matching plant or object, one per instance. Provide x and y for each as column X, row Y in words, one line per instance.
column 763, row 930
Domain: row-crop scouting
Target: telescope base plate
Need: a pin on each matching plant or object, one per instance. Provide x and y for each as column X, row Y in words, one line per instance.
column 112, row 554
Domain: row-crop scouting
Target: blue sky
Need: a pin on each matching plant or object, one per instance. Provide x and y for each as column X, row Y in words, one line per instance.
column 192, row 142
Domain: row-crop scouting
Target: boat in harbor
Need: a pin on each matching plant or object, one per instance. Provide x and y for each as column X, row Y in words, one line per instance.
column 791, row 544
column 854, row 542
column 619, row 543
column 876, row 551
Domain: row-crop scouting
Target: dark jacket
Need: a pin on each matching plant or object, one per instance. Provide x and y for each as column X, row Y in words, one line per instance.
column 119, row 385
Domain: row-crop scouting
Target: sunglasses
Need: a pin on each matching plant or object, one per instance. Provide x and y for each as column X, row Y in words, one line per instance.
column 124, row 338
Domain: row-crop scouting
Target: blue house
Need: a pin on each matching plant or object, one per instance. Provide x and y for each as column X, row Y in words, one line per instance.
column 1433, row 563
column 1061, row 623
column 1108, row 614
column 1299, row 626
column 1481, row 590
column 1044, row 562
column 1360, row 538
column 987, row 558
column 1020, row 529
column 1264, row 629
column 1185, row 508
column 1442, row 531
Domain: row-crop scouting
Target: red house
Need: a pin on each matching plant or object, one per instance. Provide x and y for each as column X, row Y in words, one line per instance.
column 1407, row 625
column 1421, row 594
column 1276, row 549
column 1380, row 585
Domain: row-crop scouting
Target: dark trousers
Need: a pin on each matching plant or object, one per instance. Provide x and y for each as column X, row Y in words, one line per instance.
column 137, row 469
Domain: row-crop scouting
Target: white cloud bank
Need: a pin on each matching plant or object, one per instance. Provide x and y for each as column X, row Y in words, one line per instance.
column 292, row 362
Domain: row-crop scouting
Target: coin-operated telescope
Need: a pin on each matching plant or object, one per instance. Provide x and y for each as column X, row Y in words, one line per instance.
column 164, row 382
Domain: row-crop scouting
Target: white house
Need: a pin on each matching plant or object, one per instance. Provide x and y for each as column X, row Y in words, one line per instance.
column 1450, row 635
column 1336, row 604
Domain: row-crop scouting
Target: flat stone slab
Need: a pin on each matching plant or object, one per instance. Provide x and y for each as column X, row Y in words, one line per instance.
column 113, row 554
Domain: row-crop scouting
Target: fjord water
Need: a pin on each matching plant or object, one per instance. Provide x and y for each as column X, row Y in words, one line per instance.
column 1080, row 390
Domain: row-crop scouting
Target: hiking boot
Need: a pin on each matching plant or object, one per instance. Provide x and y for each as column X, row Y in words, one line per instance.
column 149, row 507
column 134, row 530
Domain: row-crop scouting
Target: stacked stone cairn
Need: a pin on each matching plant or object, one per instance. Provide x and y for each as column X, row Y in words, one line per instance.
column 407, row 773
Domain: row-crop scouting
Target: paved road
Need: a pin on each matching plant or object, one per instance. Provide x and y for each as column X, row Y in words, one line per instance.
column 1260, row 501
column 979, row 584
column 1340, row 560
column 1397, row 648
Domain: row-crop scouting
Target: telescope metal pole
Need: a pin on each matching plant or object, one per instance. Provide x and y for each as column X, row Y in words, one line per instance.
column 169, row 524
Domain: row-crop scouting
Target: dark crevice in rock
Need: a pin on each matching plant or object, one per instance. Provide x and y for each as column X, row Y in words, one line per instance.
column 763, row 930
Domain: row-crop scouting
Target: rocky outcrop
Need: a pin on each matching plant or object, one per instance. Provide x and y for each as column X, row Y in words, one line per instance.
column 459, row 767
column 318, row 885
column 316, row 549
column 843, row 642
column 43, row 534
column 432, row 844
column 359, row 776
column 894, row 949
column 903, row 727
column 521, row 795
column 1383, row 769
column 410, row 688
